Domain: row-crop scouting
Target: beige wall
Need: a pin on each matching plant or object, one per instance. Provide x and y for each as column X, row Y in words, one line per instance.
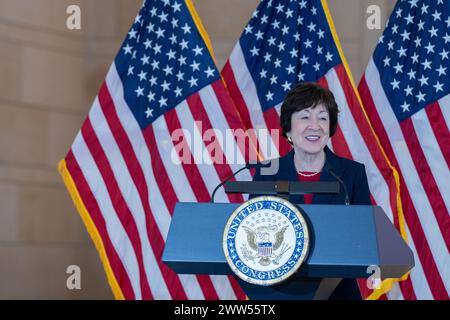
column 48, row 79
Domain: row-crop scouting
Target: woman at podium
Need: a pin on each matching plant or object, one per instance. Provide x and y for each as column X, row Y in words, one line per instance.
column 309, row 118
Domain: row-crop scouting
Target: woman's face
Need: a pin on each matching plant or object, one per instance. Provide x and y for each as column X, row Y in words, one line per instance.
column 310, row 129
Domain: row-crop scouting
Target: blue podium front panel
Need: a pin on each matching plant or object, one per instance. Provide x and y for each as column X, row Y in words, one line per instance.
column 345, row 240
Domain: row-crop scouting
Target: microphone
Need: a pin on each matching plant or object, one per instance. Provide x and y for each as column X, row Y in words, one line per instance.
column 262, row 164
column 329, row 169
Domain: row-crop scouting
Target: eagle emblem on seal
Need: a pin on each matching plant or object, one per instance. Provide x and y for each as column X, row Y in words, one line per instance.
column 265, row 244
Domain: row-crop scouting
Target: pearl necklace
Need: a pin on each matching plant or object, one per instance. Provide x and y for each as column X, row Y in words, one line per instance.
column 307, row 174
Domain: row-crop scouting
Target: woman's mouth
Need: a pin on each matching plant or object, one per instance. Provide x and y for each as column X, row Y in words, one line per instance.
column 312, row 138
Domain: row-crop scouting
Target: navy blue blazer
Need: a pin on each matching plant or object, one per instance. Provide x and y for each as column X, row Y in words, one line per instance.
column 352, row 173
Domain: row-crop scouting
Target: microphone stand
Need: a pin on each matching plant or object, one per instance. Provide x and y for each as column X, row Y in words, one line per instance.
column 228, row 179
column 347, row 200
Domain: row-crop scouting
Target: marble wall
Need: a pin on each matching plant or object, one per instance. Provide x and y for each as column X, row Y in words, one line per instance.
column 49, row 76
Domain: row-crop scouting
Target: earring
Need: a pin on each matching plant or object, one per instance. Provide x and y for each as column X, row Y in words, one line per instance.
column 289, row 139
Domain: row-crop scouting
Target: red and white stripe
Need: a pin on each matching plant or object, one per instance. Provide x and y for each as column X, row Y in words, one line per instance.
column 244, row 93
column 129, row 183
column 419, row 148
column 354, row 138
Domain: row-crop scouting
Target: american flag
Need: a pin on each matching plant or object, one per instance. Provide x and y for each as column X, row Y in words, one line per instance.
column 287, row 42
column 405, row 90
column 124, row 172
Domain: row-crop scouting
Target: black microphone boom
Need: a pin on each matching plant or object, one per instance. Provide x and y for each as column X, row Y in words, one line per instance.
column 247, row 166
column 330, row 171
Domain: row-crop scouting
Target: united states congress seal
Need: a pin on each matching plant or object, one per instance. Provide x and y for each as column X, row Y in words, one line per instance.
column 265, row 240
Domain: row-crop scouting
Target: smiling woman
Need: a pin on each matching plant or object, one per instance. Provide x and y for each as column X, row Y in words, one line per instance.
column 308, row 119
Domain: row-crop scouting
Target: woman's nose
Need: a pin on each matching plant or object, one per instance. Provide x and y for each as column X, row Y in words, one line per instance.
column 314, row 124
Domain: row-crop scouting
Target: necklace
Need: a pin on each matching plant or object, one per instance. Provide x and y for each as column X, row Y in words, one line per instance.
column 307, row 174
column 311, row 174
